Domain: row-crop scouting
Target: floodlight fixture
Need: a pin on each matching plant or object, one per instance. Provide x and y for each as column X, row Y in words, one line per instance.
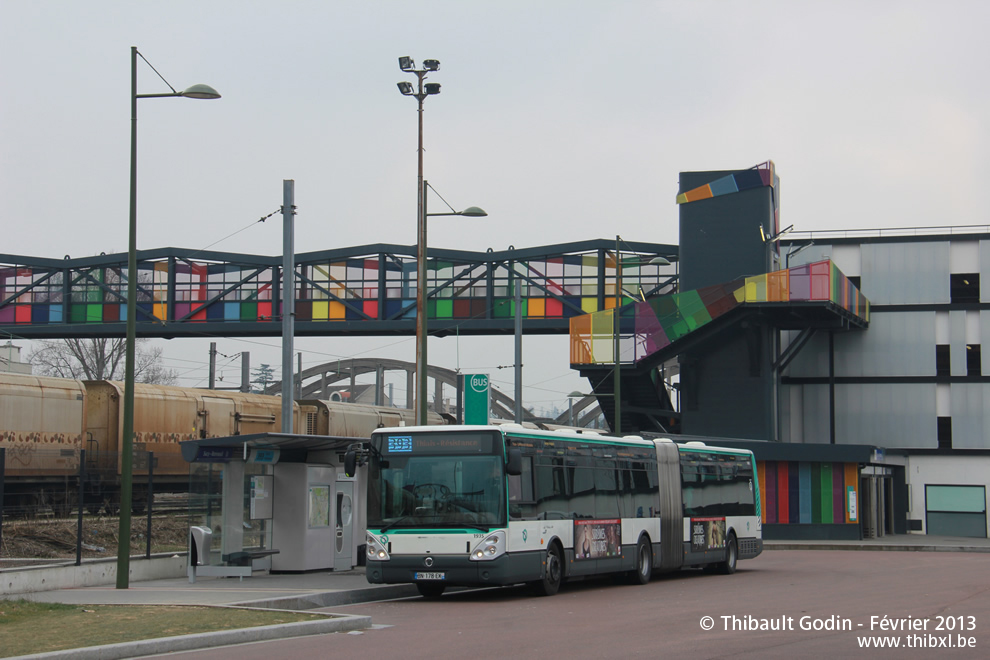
column 431, row 65
column 406, row 63
column 406, row 88
column 432, row 88
column 773, row 237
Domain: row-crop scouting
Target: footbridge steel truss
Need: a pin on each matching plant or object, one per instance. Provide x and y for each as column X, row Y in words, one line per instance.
column 364, row 290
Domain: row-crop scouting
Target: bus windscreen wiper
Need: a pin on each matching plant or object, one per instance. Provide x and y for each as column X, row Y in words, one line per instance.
column 394, row 523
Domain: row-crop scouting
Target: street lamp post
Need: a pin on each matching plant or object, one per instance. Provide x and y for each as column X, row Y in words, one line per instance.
column 617, row 329
column 420, row 92
column 127, row 439
column 421, row 382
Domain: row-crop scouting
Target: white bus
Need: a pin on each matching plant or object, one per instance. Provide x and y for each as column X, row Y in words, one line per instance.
column 487, row 505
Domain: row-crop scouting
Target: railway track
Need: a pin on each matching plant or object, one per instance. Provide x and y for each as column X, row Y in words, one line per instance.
column 165, row 504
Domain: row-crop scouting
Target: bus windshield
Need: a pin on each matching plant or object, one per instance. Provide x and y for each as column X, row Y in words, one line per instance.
column 449, row 483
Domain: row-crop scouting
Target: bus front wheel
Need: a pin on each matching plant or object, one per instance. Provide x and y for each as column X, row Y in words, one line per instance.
column 728, row 567
column 553, row 573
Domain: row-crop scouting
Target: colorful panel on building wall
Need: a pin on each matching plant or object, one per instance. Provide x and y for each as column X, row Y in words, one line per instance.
column 663, row 320
column 758, row 176
column 801, row 493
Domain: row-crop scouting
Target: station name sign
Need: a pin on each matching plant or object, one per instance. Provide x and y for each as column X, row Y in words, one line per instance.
column 214, row 454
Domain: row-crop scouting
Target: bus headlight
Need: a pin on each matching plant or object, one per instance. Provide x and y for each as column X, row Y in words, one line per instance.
column 376, row 550
column 491, row 547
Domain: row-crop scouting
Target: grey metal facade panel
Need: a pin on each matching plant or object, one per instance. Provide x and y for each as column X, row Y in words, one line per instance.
column 896, row 344
column 985, row 341
column 815, row 425
column 984, row 272
column 905, row 273
column 788, row 412
column 804, row 414
column 957, row 343
column 970, row 424
column 899, row 416
column 896, row 416
column 812, row 361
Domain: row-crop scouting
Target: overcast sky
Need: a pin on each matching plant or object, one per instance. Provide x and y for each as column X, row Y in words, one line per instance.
column 565, row 120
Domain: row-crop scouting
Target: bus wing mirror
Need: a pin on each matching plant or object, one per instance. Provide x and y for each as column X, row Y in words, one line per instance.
column 514, row 464
column 350, row 462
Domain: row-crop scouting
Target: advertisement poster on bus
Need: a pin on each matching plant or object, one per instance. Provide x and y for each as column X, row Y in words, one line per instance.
column 597, row 539
column 707, row 534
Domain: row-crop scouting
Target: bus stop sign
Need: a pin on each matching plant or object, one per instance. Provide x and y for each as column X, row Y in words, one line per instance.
column 476, row 398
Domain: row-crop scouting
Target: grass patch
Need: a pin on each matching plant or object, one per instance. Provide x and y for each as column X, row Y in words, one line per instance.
column 31, row 627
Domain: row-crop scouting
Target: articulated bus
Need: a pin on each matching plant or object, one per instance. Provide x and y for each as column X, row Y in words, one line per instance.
column 487, row 505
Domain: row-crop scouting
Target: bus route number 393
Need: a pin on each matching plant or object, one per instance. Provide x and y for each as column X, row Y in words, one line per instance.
column 430, row 576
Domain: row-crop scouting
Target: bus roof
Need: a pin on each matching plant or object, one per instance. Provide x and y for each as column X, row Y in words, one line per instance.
column 694, row 444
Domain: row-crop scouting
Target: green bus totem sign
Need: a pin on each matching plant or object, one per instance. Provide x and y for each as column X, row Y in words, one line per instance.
column 476, row 398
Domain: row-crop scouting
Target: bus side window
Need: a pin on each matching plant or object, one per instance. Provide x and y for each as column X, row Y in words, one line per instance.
column 521, row 493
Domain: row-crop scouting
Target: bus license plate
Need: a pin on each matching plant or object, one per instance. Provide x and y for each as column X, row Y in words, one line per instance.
column 430, row 576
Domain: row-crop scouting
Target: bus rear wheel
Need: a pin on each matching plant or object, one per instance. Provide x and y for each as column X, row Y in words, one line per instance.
column 430, row 589
column 644, row 563
column 553, row 573
column 728, row 567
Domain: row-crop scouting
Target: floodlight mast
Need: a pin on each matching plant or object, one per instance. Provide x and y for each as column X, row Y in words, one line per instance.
column 420, row 93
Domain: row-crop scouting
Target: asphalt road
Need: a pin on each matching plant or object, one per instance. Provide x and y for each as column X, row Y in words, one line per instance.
column 932, row 601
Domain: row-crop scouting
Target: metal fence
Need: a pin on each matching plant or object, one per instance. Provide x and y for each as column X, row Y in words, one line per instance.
column 61, row 505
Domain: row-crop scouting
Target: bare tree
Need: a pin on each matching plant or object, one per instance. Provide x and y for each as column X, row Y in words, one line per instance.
column 101, row 358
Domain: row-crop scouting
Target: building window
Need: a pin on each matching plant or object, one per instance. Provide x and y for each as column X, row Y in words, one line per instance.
column 944, row 426
column 973, row 360
column 964, row 288
column 942, row 360
column 855, row 280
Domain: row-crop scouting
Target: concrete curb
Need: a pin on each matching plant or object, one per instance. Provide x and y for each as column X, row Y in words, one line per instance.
column 332, row 598
column 872, row 548
column 338, row 623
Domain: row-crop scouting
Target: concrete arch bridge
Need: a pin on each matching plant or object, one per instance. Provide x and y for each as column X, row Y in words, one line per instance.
column 339, row 379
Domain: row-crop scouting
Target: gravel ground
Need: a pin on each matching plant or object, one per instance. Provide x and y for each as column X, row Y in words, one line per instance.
column 56, row 539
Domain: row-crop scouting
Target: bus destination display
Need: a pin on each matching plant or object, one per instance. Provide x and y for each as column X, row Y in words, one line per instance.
column 441, row 443
column 400, row 444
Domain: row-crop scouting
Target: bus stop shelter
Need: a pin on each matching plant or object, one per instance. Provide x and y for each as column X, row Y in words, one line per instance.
column 273, row 501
